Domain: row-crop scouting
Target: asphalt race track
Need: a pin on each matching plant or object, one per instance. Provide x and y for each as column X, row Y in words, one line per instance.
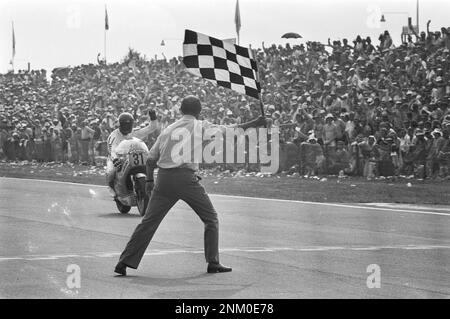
column 277, row 248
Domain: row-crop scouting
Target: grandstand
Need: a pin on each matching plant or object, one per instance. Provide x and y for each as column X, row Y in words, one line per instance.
column 374, row 110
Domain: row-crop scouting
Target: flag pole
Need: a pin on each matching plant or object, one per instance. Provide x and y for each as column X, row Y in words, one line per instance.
column 261, row 103
column 105, row 29
column 13, row 47
column 104, row 45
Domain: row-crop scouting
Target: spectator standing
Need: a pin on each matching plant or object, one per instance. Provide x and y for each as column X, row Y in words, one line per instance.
column 311, row 157
column 370, row 155
column 86, row 138
column 432, row 163
column 329, row 140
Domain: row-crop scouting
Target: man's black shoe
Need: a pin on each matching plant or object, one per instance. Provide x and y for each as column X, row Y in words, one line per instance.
column 121, row 269
column 216, row 267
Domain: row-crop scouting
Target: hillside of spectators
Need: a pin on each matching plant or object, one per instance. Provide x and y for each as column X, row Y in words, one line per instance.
column 349, row 108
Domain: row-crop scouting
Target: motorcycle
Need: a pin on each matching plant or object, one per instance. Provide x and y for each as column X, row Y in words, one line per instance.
column 129, row 181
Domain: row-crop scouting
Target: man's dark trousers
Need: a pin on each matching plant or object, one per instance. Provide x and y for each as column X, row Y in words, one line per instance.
column 172, row 185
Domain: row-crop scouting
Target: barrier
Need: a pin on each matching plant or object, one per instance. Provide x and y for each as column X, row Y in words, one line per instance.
column 289, row 155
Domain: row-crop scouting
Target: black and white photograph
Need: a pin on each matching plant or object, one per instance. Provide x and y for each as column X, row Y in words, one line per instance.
column 223, row 156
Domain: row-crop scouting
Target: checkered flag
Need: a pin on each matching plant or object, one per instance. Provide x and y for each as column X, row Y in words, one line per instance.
column 221, row 62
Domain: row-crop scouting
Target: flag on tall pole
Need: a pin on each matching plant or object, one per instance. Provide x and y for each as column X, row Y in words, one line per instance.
column 13, row 41
column 106, row 28
column 13, row 46
column 106, row 19
column 237, row 19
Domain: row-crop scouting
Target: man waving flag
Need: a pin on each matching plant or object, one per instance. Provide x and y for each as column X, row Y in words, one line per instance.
column 221, row 62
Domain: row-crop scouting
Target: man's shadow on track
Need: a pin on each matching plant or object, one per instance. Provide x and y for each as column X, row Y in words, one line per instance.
column 195, row 291
column 161, row 282
column 119, row 215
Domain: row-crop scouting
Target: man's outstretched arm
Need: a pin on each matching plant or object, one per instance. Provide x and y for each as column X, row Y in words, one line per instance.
column 145, row 131
column 260, row 121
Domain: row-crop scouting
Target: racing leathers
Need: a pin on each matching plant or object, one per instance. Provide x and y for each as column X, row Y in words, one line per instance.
column 114, row 140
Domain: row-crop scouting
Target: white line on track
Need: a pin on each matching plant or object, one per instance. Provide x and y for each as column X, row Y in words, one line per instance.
column 269, row 199
column 230, row 250
column 340, row 205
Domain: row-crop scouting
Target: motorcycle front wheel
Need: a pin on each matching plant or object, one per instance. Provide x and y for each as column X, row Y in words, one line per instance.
column 124, row 209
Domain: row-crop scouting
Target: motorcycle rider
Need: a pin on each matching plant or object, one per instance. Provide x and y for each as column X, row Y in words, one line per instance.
column 124, row 132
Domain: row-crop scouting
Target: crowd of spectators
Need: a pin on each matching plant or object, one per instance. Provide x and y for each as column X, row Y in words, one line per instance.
column 348, row 108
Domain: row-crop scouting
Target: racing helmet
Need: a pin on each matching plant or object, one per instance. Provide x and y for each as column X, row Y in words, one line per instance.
column 126, row 122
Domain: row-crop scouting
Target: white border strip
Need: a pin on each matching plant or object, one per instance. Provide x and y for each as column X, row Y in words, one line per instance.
column 266, row 199
column 341, row 205
column 229, row 250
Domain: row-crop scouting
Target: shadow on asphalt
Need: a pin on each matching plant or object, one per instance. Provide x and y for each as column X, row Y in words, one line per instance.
column 119, row 215
column 189, row 287
column 161, row 282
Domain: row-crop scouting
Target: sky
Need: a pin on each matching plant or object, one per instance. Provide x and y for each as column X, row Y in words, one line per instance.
column 57, row 33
